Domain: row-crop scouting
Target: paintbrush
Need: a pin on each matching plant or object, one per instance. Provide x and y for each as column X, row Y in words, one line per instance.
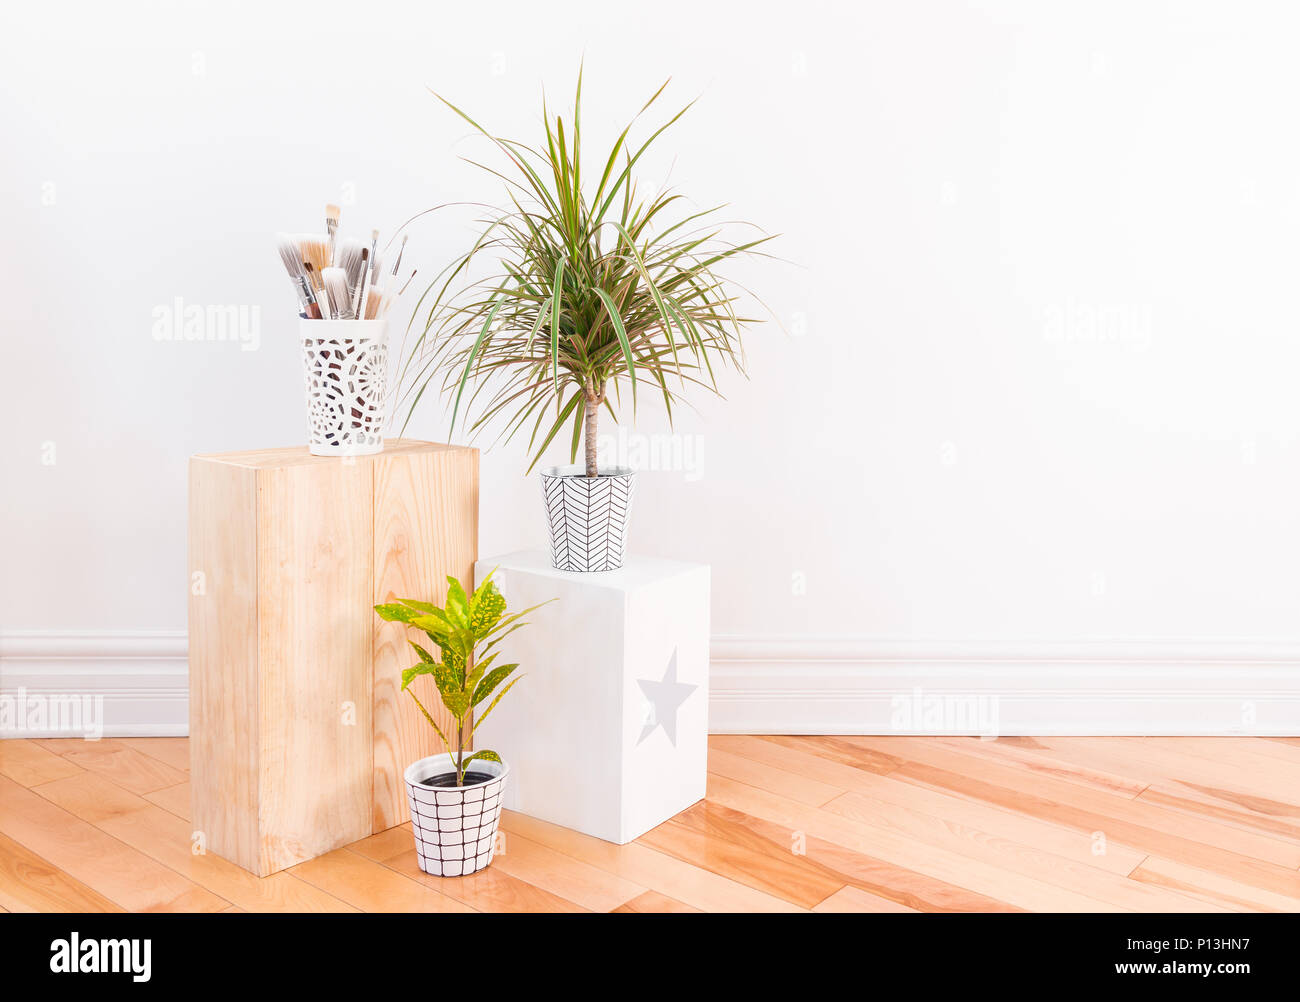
column 314, row 252
column 348, row 256
column 293, row 264
column 331, row 227
column 336, row 290
column 359, row 293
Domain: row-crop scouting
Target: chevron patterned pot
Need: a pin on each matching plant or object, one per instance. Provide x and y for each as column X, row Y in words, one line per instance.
column 588, row 516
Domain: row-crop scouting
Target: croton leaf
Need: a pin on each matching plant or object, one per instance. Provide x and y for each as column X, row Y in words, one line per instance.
column 434, row 624
column 485, row 754
column 480, row 666
column 450, row 679
column 426, row 607
column 493, row 679
column 457, row 702
column 423, row 668
column 457, row 610
column 394, row 613
column 425, row 656
column 486, row 608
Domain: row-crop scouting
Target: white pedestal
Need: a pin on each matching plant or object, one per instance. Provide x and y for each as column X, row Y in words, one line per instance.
column 607, row 733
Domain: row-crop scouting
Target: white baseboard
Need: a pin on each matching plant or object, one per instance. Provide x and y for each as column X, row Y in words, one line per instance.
column 842, row 686
column 136, row 684
column 119, row 684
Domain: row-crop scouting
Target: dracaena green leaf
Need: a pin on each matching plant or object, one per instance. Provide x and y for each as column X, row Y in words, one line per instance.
column 568, row 296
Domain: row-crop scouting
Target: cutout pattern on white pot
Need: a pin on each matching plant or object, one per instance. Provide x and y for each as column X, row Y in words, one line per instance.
column 455, row 828
column 346, row 363
column 588, row 517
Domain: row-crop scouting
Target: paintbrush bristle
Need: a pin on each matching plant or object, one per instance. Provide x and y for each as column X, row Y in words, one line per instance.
column 314, row 250
column 347, row 255
column 336, row 289
column 332, row 214
column 288, row 248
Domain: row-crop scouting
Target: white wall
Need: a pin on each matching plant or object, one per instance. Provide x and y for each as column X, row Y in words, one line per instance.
column 1038, row 383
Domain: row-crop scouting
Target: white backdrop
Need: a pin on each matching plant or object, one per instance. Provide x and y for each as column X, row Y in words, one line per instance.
column 1036, row 385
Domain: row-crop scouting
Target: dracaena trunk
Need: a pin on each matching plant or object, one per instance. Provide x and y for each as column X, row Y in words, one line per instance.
column 589, row 432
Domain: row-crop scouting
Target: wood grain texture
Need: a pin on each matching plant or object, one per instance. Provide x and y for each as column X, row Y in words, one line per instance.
column 314, row 644
column 914, row 824
column 425, row 528
column 27, row 763
column 652, row 902
column 371, row 886
column 125, row 876
column 223, row 644
column 29, row 883
column 115, row 760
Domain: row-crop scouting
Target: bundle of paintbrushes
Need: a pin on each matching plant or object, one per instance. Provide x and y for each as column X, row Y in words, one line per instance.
column 340, row 278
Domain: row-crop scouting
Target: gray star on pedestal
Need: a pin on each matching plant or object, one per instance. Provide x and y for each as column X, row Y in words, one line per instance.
column 664, row 696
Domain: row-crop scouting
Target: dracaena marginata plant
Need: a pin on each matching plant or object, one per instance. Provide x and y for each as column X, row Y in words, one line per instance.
column 466, row 632
column 594, row 290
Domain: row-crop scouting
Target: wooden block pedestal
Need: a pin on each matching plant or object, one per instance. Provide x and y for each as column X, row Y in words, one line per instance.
column 299, row 732
column 607, row 732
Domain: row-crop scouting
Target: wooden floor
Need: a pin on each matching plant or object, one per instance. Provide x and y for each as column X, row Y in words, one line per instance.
column 872, row 824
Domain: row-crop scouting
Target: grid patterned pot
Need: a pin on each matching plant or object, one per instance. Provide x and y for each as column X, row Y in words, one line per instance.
column 588, row 516
column 346, row 365
column 455, row 827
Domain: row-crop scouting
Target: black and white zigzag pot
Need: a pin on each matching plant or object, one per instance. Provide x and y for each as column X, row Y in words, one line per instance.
column 588, row 516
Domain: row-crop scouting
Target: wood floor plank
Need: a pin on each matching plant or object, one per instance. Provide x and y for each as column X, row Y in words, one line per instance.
column 1113, row 888
column 1213, row 886
column 1248, row 813
column 172, row 798
column 1004, row 881
column 371, row 886
column 28, row 764
column 794, row 785
column 1130, row 822
column 652, row 902
column 29, row 883
column 490, row 890
column 562, row 875
column 1213, row 778
column 908, row 888
column 132, row 770
column 167, row 840
column 175, row 752
column 715, row 839
column 1031, row 754
column 926, row 811
column 98, row 860
column 385, row 844
column 648, row 867
column 855, row 900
